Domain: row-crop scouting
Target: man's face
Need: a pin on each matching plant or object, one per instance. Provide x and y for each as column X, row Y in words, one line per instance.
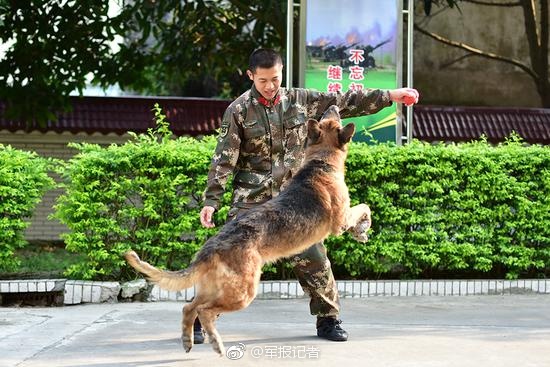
column 267, row 81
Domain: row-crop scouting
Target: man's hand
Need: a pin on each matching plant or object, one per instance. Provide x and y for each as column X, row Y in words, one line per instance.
column 206, row 217
column 407, row 96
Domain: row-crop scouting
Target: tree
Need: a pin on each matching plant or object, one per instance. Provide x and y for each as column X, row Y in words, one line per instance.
column 165, row 47
column 51, row 49
column 536, row 15
column 202, row 46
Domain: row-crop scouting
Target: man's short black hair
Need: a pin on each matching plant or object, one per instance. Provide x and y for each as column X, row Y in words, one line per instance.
column 264, row 58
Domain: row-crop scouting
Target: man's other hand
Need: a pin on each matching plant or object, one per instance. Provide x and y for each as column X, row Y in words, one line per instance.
column 206, row 217
column 407, row 96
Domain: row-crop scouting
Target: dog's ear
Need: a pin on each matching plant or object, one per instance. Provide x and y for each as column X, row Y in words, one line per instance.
column 346, row 133
column 313, row 131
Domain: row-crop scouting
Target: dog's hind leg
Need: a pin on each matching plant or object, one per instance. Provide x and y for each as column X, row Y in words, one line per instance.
column 207, row 319
column 188, row 318
column 237, row 295
column 208, row 315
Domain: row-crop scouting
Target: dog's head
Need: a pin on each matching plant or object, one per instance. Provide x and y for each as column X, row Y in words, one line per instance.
column 328, row 132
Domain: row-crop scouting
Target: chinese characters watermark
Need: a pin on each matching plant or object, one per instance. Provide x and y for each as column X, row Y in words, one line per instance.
column 237, row 351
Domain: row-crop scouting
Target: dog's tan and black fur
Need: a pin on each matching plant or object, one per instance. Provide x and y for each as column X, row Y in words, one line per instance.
column 315, row 204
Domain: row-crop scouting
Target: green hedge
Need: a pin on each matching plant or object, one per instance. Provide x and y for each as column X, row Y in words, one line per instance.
column 438, row 210
column 142, row 195
column 444, row 210
column 23, row 181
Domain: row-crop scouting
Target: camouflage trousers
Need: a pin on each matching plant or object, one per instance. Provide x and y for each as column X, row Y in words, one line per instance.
column 313, row 270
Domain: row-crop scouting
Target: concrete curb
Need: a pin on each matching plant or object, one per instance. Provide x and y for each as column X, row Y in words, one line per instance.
column 79, row 291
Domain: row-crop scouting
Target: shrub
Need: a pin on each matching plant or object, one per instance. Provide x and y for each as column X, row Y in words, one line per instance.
column 443, row 209
column 144, row 195
column 438, row 210
column 23, row 181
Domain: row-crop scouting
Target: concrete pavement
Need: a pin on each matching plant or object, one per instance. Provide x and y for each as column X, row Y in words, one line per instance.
column 510, row 330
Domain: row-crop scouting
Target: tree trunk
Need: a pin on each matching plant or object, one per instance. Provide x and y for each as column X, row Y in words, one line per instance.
column 537, row 38
column 544, row 91
column 545, row 77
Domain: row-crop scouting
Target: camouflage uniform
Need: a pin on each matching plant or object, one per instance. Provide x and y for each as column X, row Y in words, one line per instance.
column 262, row 145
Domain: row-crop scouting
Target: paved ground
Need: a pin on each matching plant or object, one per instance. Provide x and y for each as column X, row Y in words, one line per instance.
column 384, row 331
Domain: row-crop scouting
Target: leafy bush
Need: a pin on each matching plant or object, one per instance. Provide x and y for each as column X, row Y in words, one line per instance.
column 23, row 181
column 438, row 210
column 144, row 195
column 442, row 209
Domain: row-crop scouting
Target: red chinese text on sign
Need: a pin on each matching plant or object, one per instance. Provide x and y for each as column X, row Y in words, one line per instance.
column 334, row 72
column 356, row 73
column 334, row 87
column 356, row 56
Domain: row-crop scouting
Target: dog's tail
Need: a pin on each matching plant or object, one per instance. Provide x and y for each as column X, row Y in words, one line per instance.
column 170, row 280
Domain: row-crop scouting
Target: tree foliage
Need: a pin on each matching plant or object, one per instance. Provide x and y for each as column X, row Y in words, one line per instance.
column 202, row 47
column 52, row 47
column 163, row 47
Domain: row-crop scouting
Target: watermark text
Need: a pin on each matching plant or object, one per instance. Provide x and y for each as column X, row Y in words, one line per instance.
column 274, row 351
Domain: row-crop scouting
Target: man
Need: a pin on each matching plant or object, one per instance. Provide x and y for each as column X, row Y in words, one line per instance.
column 261, row 142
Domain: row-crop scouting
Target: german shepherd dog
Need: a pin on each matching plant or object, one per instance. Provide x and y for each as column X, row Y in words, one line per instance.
column 315, row 204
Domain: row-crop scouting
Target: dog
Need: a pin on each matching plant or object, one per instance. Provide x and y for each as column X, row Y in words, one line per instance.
column 315, row 204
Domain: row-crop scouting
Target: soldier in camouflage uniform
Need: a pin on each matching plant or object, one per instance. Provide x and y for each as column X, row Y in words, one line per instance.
column 261, row 143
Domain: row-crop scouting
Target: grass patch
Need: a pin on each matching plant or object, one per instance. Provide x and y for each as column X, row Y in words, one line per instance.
column 43, row 260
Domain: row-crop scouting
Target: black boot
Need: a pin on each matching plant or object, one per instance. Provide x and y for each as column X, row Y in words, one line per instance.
column 198, row 332
column 329, row 328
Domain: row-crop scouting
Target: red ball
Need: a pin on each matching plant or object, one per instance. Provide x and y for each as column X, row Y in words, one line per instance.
column 408, row 100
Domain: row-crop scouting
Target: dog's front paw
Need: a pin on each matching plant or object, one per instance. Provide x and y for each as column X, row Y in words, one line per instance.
column 359, row 232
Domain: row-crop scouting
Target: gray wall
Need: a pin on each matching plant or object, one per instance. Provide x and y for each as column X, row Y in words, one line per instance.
column 473, row 81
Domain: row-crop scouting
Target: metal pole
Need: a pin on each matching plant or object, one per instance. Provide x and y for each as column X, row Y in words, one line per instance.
column 410, row 27
column 399, row 66
column 302, row 53
column 289, row 43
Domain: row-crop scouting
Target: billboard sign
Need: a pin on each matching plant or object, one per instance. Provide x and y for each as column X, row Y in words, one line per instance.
column 352, row 44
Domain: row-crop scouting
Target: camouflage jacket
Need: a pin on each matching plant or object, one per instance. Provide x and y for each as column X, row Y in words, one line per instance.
column 262, row 146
